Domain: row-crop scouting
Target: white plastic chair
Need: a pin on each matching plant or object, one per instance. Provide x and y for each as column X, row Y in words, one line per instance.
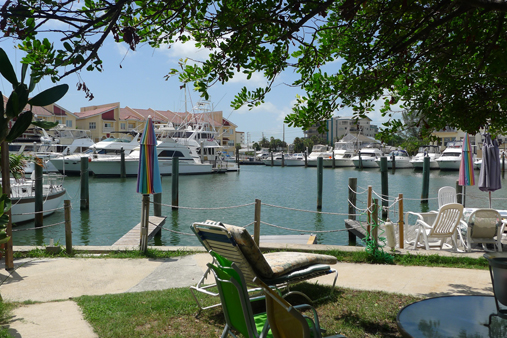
column 446, row 195
column 444, row 226
column 485, row 226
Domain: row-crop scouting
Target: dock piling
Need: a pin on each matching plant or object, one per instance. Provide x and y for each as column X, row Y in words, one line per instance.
column 320, row 174
column 257, row 221
column 85, row 194
column 385, row 186
column 401, row 225
column 175, row 182
column 426, row 180
column 352, row 204
column 68, row 227
column 39, row 215
column 123, row 172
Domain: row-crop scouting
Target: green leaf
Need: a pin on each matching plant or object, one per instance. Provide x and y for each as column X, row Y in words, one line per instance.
column 6, row 69
column 24, row 68
column 12, row 107
column 22, row 123
column 5, row 240
column 49, row 96
column 45, row 124
column 2, row 108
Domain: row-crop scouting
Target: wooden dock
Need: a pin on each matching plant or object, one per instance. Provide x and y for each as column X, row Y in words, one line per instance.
column 289, row 239
column 133, row 237
column 358, row 229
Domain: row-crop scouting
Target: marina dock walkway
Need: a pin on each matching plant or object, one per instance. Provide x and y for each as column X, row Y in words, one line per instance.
column 52, row 283
column 132, row 238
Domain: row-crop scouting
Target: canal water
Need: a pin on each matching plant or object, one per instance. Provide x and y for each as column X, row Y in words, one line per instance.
column 115, row 207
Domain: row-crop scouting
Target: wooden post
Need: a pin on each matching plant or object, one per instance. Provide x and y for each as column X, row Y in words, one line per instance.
column 157, row 207
column 175, row 182
column 426, row 180
column 145, row 218
column 459, row 193
column 257, row 222
column 202, row 151
column 123, row 173
column 385, row 186
column 39, row 215
column 85, row 194
column 237, row 156
column 334, row 162
column 320, row 175
column 283, row 160
column 393, row 162
column 401, row 225
column 374, row 232
column 352, row 204
column 272, row 159
column 368, row 212
column 68, row 227
column 360, row 161
column 306, row 157
column 6, row 189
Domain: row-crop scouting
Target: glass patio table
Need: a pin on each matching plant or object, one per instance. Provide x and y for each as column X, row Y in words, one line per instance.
column 452, row 316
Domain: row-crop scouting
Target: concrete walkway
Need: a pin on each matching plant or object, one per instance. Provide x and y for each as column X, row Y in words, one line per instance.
column 52, row 283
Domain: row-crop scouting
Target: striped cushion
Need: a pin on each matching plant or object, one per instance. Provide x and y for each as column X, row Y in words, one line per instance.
column 276, row 264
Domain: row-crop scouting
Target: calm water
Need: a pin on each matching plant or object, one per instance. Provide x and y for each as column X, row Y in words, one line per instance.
column 115, row 207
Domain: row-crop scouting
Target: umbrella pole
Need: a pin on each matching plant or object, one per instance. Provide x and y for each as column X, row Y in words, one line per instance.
column 464, row 194
column 489, row 199
column 144, row 222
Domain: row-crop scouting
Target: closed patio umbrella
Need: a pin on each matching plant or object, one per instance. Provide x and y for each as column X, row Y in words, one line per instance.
column 466, row 168
column 148, row 176
column 489, row 176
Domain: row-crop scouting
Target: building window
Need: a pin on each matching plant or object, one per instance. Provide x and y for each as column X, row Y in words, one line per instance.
column 122, row 126
column 68, row 123
column 92, row 125
column 108, row 125
column 131, row 126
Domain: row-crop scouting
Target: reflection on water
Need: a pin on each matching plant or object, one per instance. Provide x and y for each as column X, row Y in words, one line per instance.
column 115, row 207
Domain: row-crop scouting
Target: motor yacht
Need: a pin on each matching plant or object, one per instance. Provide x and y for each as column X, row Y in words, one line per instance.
column 23, row 196
column 401, row 159
column 167, row 149
column 451, row 156
column 109, row 147
column 320, row 150
column 431, row 151
column 367, row 156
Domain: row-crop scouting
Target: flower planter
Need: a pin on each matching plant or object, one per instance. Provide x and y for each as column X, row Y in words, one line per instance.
column 498, row 272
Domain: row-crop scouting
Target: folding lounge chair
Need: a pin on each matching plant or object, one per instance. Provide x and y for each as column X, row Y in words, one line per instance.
column 285, row 321
column 485, row 226
column 236, row 304
column 275, row 269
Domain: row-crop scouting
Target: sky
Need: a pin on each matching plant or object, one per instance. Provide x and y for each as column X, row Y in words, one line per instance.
column 136, row 79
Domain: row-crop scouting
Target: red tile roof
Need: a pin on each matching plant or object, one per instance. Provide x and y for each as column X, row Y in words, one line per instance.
column 93, row 112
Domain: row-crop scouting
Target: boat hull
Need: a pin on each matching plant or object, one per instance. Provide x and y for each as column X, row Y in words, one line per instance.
column 23, row 207
column 418, row 164
column 449, row 164
column 105, row 168
column 367, row 163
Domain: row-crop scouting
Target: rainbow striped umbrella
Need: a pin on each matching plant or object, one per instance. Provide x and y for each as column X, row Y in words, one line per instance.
column 466, row 168
column 148, row 174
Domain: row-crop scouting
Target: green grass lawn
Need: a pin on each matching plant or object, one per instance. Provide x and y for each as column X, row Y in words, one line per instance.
column 174, row 313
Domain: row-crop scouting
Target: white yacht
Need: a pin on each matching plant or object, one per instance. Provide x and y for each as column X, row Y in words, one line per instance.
column 289, row 160
column 168, row 148
column 367, row 156
column 431, row 151
column 343, row 153
column 109, row 147
column 23, row 196
column 401, row 159
column 451, row 156
column 39, row 143
column 320, row 150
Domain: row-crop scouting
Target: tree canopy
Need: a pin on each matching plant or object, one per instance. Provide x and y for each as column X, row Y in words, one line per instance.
column 442, row 61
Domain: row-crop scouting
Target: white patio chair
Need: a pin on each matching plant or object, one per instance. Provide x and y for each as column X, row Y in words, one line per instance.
column 444, row 226
column 446, row 195
column 485, row 226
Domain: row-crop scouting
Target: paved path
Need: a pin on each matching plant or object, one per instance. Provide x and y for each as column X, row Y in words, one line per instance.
column 61, row 279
